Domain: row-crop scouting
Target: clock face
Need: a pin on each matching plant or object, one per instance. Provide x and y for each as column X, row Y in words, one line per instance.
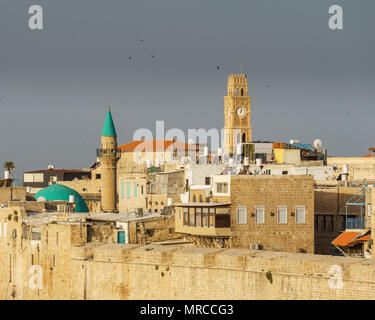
column 240, row 112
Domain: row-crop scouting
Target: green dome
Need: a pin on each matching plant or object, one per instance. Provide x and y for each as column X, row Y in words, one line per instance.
column 56, row 192
column 109, row 127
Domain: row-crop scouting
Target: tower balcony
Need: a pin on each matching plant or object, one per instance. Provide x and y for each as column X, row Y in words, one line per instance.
column 108, row 153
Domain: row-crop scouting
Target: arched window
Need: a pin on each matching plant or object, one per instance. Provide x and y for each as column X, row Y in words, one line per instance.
column 237, row 92
column 241, row 91
column 194, row 198
column 244, row 137
column 200, row 198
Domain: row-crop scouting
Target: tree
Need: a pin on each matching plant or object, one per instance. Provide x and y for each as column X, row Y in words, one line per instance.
column 9, row 165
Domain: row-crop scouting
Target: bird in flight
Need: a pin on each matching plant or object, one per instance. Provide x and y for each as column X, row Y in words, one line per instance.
column 218, row 67
column 130, row 57
column 140, row 40
column 152, row 56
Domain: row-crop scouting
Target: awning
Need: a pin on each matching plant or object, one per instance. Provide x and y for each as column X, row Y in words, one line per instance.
column 345, row 238
column 349, row 238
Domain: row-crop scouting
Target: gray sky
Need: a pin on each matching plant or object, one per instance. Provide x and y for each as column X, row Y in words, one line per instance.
column 304, row 78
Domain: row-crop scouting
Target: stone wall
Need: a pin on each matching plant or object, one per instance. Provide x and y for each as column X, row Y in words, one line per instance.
column 272, row 192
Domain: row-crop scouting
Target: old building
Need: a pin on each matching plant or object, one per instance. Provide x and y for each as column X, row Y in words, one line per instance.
column 265, row 212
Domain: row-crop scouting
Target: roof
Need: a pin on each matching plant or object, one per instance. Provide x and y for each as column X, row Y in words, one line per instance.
column 345, row 238
column 302, row 146
column 57, row 171
column 202, row 204
column 156, row 145
column 57, row 192
column 109, row 127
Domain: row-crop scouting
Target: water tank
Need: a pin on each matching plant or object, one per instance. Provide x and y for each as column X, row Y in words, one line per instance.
column 7, row 174
column 294, row 141
column 205, row 151
column 51, row 167
column 71, row 199
column 231, row 162
column 345, row 169
column 239, row 149
column 148, row 163
column 157, row 163
column 28, row 189
column 219, row 152
column 258, row 162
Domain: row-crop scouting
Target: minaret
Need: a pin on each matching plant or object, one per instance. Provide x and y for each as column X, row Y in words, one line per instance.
column 108, row 156
column 237, row 113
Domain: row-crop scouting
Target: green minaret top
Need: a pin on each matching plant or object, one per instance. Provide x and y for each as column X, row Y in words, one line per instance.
column 109, row 128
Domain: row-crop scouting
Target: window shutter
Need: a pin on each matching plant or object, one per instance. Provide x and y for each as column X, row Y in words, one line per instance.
column 300, row 214
column 241, row 215
column 282, row 215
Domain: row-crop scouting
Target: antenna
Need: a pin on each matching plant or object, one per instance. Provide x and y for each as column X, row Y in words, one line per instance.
column 109, row 108
column 241, row 68
column 317, row 143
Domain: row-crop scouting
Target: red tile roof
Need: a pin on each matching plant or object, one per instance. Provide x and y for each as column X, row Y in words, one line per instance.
column 156, row 145
column 345, row 238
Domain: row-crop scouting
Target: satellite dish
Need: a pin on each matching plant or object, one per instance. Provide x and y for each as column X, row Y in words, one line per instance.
column 317, row 143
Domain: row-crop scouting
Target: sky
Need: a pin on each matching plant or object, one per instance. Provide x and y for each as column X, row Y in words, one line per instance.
column 306, row 80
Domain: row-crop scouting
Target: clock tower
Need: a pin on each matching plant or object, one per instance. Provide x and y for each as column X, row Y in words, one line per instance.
column 237, row 113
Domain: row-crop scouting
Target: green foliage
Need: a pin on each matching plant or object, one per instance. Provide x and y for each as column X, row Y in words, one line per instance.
column 269, row 276
column 9, row 165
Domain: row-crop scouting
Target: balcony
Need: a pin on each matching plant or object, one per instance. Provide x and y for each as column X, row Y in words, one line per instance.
column 108, row 153
column 204, row 219
column 353, row 223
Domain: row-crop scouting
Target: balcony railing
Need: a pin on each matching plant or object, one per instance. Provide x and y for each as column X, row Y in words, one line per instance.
column 353, row 223
column 108, row 153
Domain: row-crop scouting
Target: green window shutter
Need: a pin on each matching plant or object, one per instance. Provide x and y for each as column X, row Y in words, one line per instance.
column 128, row 189
column 135, row 189
column 122, row 190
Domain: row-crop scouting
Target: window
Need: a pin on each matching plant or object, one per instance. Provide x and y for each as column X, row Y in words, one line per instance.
column 142, row 189
column 331, row 223
column 194, row 198
column 300, row 215
column 200, row 198
column 222, row 187
column 84, row 189
column 212, row 217
column 186, row 216
column 324, row 223
column 191, row 217
column 135, row 189
column 128, row 190
column 98, row 176
column 207, row 181
column 179, row 214
column 122, row 190
column 244, row 137
column 241, row 215
column 241, row 91
column 259, row 214
column 282, row 215
column 198, row 212
column 205, row 217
